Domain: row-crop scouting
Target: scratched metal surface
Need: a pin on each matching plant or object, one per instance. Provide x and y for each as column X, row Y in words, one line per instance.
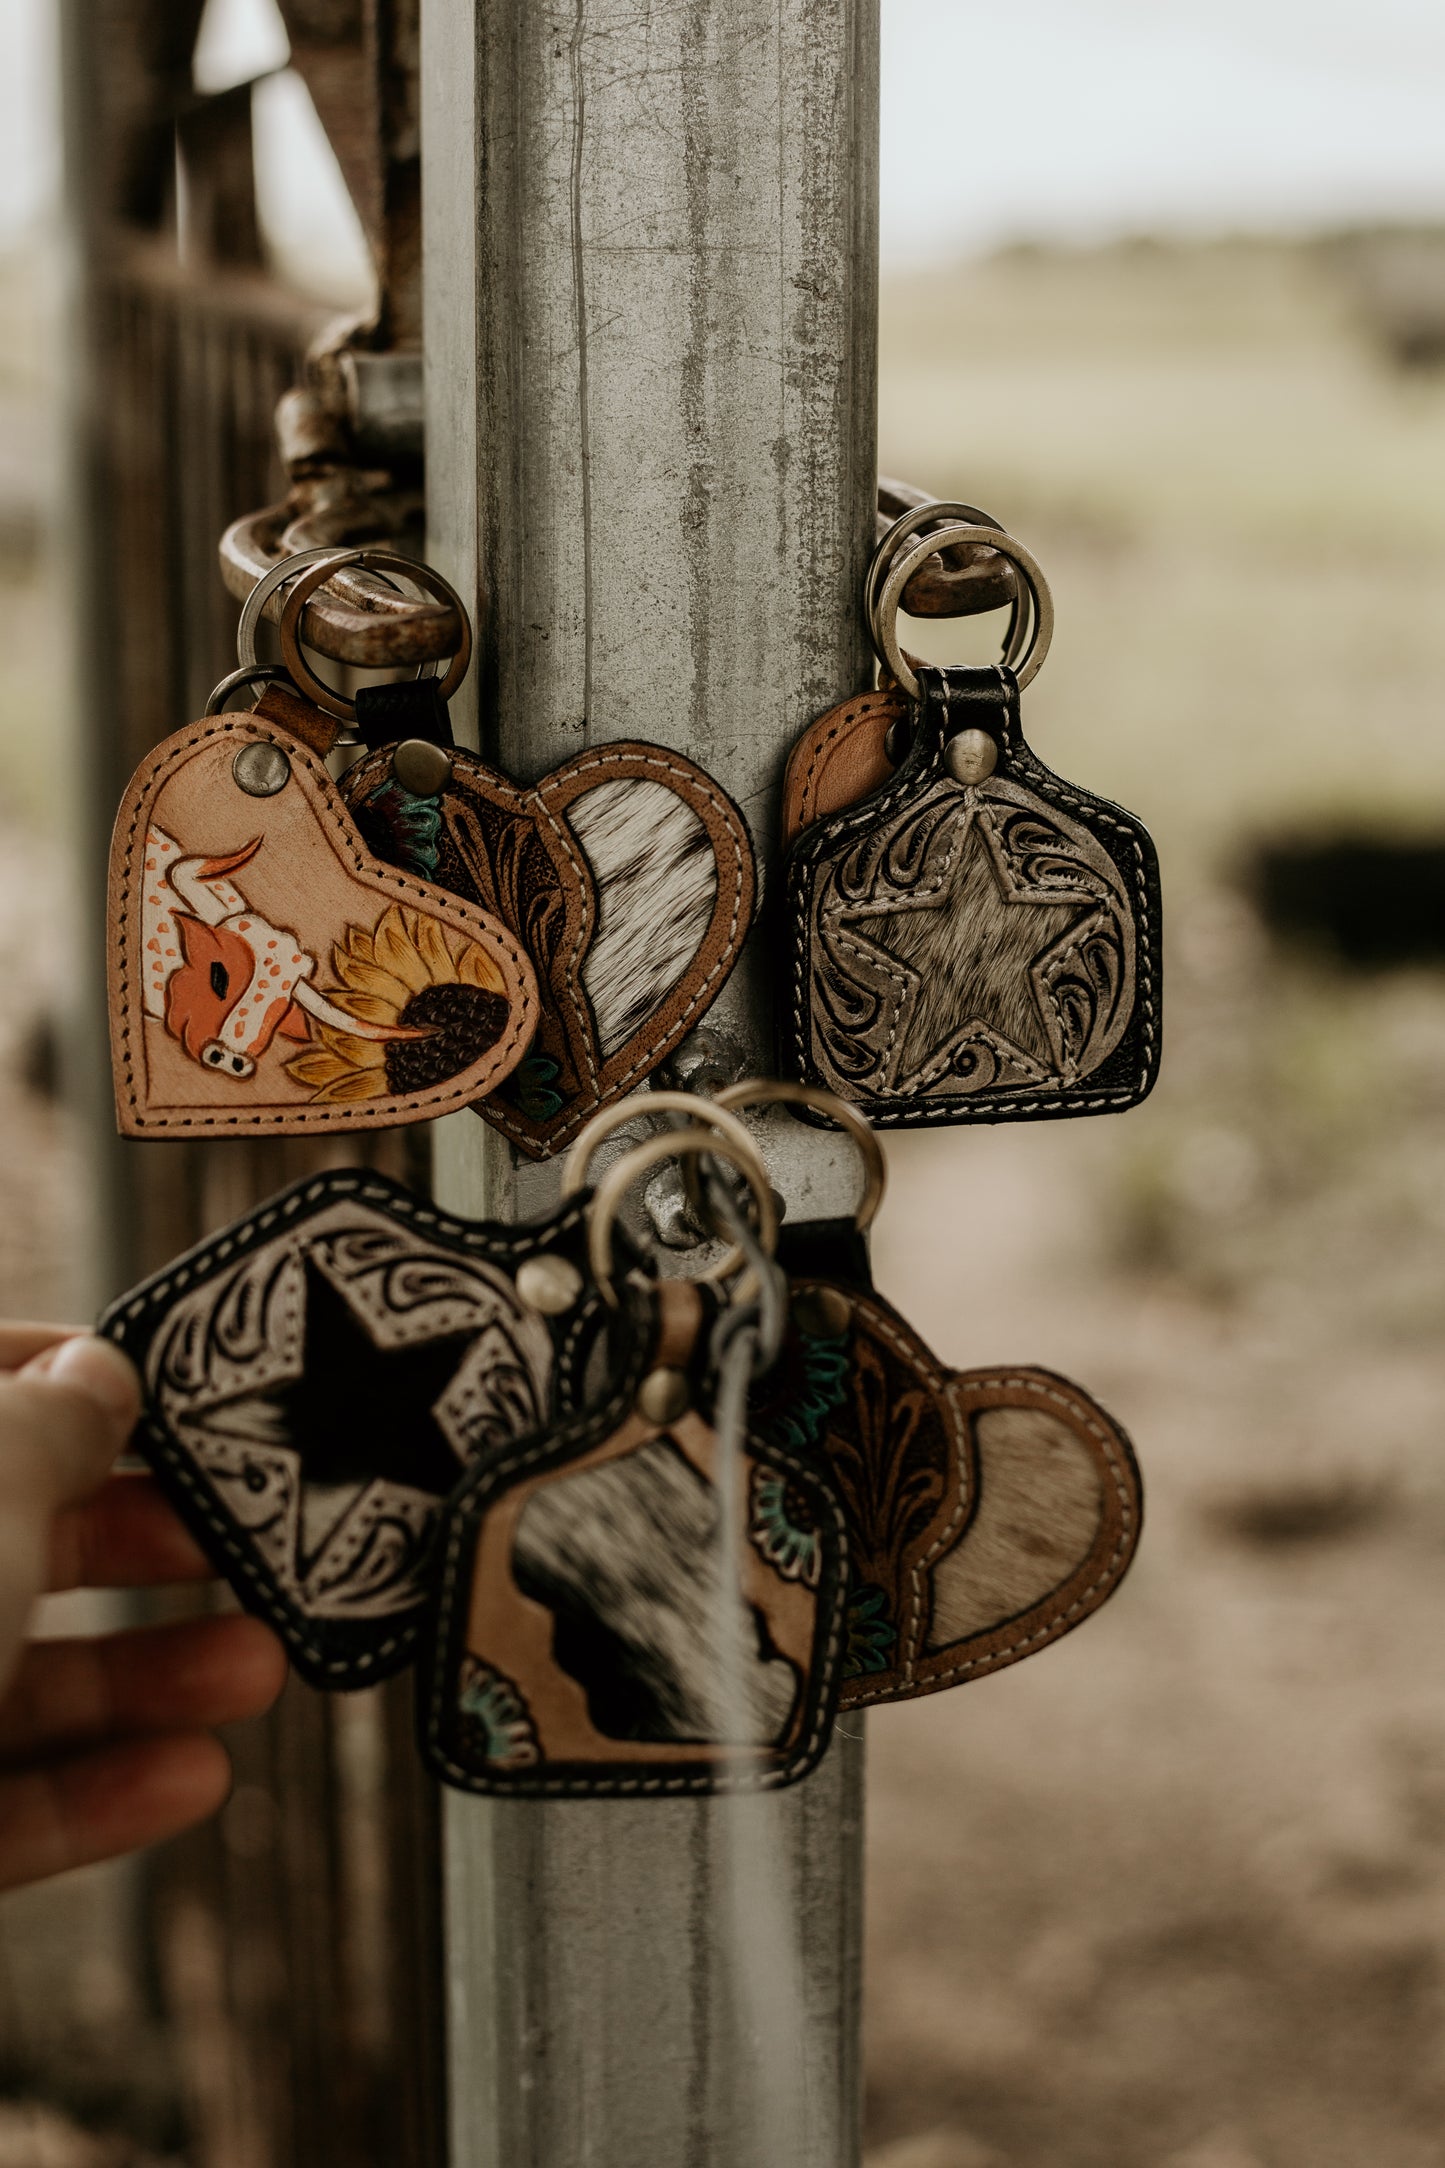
column 650, row 333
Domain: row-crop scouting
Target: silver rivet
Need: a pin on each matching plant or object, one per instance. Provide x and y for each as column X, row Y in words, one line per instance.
column 663, row 1396
column 549, row 1283
column 822, row 1313
column 261, row 770
column 971, row 756
column 421, row 767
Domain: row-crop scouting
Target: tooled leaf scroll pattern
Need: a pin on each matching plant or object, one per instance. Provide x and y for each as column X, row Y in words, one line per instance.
column 506, row 865
column 889, row 1452
column 979, row 940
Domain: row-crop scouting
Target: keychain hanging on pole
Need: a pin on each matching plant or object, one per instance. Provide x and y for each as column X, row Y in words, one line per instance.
column 972, row 939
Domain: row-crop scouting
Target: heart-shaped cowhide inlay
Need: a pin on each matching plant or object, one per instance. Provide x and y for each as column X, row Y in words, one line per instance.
column 627, row 875
column 268, row 975
column 318, row 1378
column 987, row 1511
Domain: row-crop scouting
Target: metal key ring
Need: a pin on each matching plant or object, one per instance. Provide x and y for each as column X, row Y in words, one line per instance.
column 287, row 569
column 921, row 515
column 325, row 696
column 266, row 673
column 670, row 1144
column 776, row 1091
column 885, row 628
column 601, row 1126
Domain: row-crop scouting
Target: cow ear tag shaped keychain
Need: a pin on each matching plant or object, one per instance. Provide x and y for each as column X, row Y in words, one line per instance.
column 646, row 1600
column 987, row 1512
column 974, row 939
column 268, row 975
column 627, row 874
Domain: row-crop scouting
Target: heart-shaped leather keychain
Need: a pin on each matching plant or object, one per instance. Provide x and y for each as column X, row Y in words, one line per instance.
column 647, row 1600
column 988, row 1511
column 318, row 1377
column 269, row 975
column 627, row 874
column 973, row 939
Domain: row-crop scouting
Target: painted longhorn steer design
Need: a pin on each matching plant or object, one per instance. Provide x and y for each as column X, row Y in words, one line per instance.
column 223, row 980
column 270, row 976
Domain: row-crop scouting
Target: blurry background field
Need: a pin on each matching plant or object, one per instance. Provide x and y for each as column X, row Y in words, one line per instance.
column 1174, row 1892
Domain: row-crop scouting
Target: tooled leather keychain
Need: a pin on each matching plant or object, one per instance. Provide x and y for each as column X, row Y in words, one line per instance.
column 988, row 1512
column 972, row 938
column 627, row 874
column 646, row 1600
column 268, row 975
column 319, row 1374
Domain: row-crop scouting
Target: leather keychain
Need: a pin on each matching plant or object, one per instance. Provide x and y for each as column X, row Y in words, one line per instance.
column 627, row 874
column 988, row 1511
column 267, row 974
column 319, row 1375
column 972, row 939
column 646, row 1601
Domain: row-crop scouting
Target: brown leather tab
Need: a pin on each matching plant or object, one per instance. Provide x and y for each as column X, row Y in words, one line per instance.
column 840, row 758
column 280, row 704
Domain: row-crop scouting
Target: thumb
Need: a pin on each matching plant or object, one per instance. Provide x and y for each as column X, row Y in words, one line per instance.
column 64, row 1418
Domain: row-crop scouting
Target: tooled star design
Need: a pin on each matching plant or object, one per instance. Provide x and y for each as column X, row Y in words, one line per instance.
column 964, row 953
column 358, row 1413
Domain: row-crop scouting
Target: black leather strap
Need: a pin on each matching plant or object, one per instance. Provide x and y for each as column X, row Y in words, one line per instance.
column 413, row 709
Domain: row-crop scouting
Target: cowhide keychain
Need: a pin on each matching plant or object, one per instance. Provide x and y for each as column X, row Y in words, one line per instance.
column 320, row 1374
column 643, row 1601
column 268, row 974
column 988, row 1511
column 972, row 939
column 627, row 874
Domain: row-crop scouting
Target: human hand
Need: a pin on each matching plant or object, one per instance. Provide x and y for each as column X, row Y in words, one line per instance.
column 105, row 1743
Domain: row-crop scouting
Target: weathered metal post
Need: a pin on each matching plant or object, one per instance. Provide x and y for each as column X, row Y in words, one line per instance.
column 650, row 253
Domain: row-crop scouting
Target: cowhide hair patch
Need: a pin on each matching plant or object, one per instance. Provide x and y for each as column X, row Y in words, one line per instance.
column 268, row 975
column 319, row 1377
column 628, row 877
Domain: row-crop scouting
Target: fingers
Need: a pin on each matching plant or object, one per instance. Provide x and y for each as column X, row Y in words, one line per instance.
column 126, row 1536
column 75, row 1693
column 107, row 1802
column 63, row 1419
column 21, row 1343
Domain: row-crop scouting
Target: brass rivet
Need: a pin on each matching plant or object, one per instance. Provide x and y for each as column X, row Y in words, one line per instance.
column 261, row 770
column 549, row 1283
column 972, row 756
column 421, row 767
column 822, row 1313
column 663, row 1396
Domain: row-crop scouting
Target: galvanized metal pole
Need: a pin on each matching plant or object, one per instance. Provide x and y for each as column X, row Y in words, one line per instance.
column 650, row 250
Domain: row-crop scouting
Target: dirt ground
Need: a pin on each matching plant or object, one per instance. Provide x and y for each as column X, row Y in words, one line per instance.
column 1172, row 1893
